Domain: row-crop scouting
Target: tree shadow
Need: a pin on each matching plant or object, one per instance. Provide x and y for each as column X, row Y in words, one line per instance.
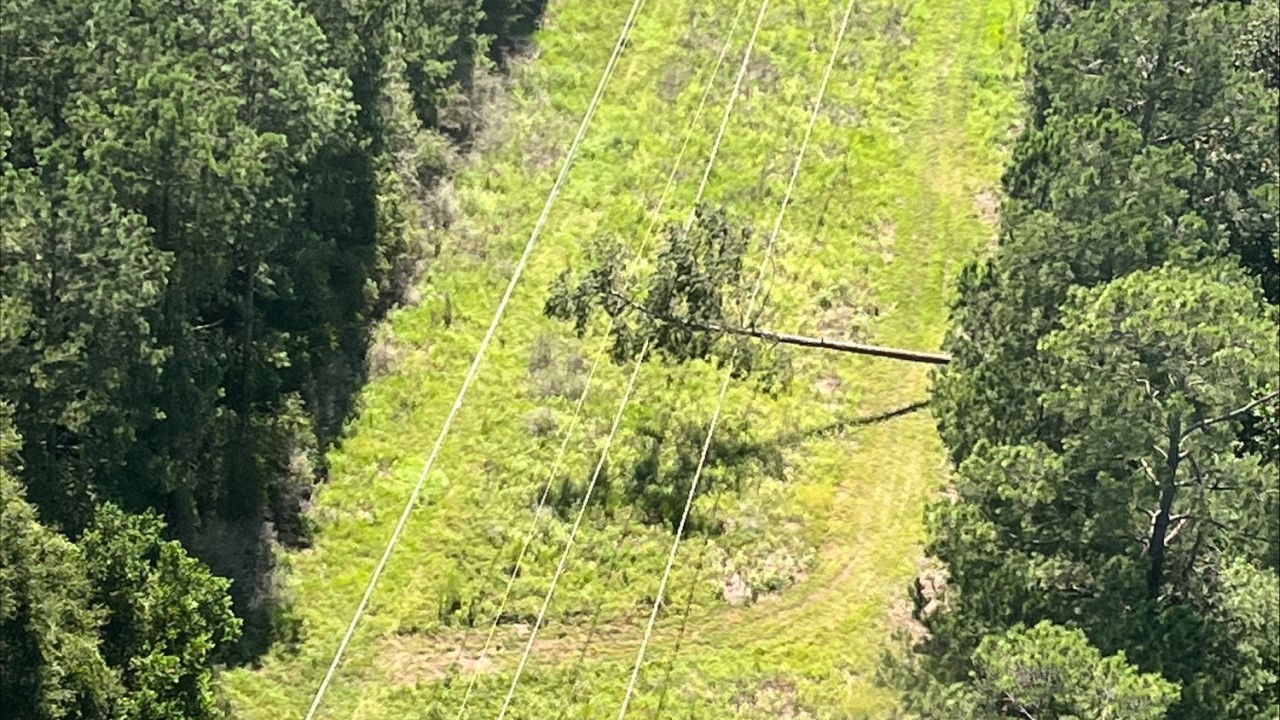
column 656, row 485
column 838, row 426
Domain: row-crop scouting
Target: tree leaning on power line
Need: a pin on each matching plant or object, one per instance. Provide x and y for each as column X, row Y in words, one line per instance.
column 688, row 306
column 689, row 289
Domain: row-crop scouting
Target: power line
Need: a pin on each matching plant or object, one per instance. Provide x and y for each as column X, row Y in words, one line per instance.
column 724, row 385
column 626, row 527
column 479, row 357
column 528, row 538
column 595, row 364
column 626, row 398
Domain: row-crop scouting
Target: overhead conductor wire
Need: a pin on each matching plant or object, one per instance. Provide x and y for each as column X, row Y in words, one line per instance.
column 479, row 357
column 724, row 385
column 626, row 397
column 595, row 364
column 626, row 526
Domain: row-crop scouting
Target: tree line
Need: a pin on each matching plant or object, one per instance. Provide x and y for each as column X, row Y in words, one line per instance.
column 205, row 206
column 1111, row 540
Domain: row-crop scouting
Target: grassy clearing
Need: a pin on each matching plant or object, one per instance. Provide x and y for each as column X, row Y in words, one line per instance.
column 894, row 197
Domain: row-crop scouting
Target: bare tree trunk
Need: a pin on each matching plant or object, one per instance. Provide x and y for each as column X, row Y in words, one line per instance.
column 798, row 340
column 837, row 345
column 1157, row 548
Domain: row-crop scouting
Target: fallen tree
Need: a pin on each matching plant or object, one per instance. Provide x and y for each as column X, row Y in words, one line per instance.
column 682, row 309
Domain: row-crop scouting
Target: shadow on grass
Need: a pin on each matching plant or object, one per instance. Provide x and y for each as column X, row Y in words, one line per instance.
column 833, row 428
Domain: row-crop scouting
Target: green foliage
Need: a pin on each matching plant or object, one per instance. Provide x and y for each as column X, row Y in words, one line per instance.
column 1049, row 672
column 1247, row 609
column 1143, row 364
column 120, row 625
column 205, row 209
column 81, row 280
column 1122, row 523
column 50, row 664
column 167, row 617
column 1148, row 141
column 1174, row 72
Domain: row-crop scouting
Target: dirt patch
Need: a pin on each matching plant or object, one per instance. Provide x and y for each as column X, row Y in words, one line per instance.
column 541, row 421
column 487, row 109
column 384, row 355
column 545, row 147
column 673, row 82
column 987, row 203
column 363, row 513
column 1016, row 128
column 902, row 622
column 439, row 211
column 736, row 590
column 894, row 28
column 762, row 76
column 843, row 115
column 413, row 658
column 844, row 311
column 843, row 322
column 908, row 614
column 556, row 369
column 471, row 240
column 774, row 699
column 745, row 584
column 931, row 579
column 829, row 385
column 705, row 32
column 884, row 240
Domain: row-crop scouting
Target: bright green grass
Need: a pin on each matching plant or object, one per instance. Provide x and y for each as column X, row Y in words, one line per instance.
column 892, row 200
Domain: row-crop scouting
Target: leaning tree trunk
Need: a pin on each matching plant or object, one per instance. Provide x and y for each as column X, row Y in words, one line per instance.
column 1158, row 545
column 837, row 345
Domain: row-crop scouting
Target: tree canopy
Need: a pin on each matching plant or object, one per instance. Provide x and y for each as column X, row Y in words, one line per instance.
column 1111, row 401
column 122, row 624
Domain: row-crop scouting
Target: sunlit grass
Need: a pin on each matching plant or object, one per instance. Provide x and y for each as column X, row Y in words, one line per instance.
column 893, row 199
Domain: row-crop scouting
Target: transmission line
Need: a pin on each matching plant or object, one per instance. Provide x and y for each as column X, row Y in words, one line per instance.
column 626, row 397
column 595, row 364
column 479, row 357
column 724, row 385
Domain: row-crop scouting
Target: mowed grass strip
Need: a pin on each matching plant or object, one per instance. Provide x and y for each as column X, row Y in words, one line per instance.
column 897, row 192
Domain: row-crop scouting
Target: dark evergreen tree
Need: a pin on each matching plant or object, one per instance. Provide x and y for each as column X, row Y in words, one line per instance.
column 1111, row 401
column 50, row 663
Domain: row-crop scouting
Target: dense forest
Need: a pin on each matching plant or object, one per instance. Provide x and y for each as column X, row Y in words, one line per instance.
column 206, row 205
column 1112, row 533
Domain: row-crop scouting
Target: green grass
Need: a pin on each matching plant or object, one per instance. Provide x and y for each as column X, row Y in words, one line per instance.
column 892, row 200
